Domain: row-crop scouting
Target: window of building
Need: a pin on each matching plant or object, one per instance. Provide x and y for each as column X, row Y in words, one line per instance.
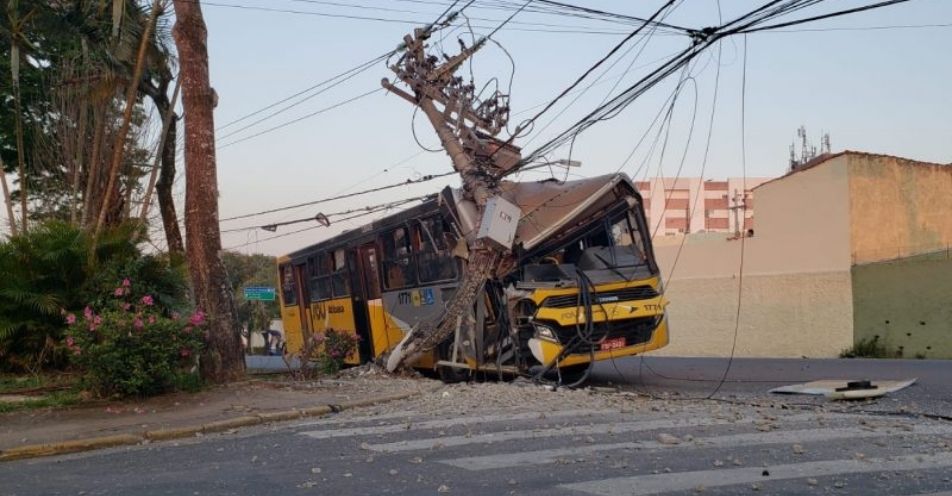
column 397, row 259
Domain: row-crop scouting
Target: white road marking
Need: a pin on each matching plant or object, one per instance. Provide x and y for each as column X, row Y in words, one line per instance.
column 682, row 481
column 410, row 425
column 541, row 457
column 603, row 428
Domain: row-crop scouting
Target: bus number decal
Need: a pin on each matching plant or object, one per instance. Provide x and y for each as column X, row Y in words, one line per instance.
column 416, row 297
column 323, row 309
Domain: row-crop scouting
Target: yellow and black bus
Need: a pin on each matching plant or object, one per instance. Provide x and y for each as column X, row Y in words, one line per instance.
column 584, row 286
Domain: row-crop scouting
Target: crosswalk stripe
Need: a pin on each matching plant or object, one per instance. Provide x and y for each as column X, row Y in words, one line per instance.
column 681, row 481
column 594, row 429
column 441, row 424
column 540, row 457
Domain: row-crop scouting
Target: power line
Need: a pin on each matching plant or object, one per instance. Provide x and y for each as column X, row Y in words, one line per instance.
column 269, row 238
column 303, row 117
column 369, row 209
column 826, row 16
column 357, row 68
column 423, row 179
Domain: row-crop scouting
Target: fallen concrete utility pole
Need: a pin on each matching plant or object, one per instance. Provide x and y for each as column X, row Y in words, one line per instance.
column 467, row 129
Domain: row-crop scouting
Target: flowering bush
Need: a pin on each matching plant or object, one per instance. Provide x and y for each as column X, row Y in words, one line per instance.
column 129, row 348
column 323, row 353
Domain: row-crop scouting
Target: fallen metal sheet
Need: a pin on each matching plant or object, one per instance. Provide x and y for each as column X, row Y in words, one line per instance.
column 828, row 388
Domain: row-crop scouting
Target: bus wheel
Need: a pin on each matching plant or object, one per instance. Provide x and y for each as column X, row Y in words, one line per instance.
column 450, row 375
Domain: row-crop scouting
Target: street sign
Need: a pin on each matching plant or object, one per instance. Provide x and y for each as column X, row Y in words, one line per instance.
column 259, row 293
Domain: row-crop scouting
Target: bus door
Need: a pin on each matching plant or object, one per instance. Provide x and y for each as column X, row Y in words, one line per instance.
column 368, row 273
column 359, row 305
column 304, row 297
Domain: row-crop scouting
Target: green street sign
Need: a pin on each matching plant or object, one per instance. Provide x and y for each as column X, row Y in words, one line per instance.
column 259, row 293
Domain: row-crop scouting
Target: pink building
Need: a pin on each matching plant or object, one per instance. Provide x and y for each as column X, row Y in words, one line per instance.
column 692, row 204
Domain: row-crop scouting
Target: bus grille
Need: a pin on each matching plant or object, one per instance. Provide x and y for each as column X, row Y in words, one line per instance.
column 624, row 294
column 635, row 331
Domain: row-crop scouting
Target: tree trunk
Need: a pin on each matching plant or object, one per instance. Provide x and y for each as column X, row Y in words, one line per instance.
column 163, row 191
column 92, row 169
column 112, row 188
column 18, row 124
column 165, row 163
column 7, row 200
column 222, row 359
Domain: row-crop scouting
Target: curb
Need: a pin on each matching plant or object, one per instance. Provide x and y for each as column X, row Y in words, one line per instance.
column 94, row 443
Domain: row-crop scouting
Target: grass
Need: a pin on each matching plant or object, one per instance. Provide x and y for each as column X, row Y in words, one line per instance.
column 867, row 348
column 56, row 399
column 58, row 391
column 11, row 383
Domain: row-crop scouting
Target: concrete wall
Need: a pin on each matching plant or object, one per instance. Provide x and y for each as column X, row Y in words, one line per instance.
column 906, row 303
column 797, row 298
column 898, row 207
column 783, row 313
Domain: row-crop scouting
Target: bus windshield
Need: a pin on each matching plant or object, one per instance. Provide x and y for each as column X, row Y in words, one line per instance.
column 608, row 250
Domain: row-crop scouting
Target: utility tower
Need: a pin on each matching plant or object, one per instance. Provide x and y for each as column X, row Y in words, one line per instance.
column 467, row 128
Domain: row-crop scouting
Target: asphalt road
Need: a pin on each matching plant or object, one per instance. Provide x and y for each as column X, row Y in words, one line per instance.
column 491, row 439
column 751, row 378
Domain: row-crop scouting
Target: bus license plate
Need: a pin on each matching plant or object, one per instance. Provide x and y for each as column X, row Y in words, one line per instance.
column 614, row 343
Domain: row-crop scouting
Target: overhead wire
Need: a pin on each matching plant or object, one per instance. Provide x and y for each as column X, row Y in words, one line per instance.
column 423, row 179
column 368, row 208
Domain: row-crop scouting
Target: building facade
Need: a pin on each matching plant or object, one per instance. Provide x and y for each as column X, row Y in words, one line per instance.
column 687, row 205
column 851, row 248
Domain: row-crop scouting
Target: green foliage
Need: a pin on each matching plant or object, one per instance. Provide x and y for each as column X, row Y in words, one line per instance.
column 130, row 348
column 252, row 270
column 867, row 348
column 50, row 270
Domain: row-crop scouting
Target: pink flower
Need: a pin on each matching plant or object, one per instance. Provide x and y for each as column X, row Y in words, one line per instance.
column 97, row 320
column 138, row 324
column 126, row 306
column 88, row 313
column 118, row 292
column 147, row 300
column 185, row 352
column 70, row 342
column 152, row 319
column 70, row 319
column 77, row 351
column 197, row 319
column 126, row 283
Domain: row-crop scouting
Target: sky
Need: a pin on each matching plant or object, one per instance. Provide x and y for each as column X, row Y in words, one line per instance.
column 875, row 81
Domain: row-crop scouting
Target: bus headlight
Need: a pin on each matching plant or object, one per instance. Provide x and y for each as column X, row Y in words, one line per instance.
column 545, row 333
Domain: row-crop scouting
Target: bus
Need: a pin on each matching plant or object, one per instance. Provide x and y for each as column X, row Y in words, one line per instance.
column 581, row 286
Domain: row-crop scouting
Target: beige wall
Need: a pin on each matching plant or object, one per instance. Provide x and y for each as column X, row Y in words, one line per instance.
column 788, row 315
column 797, row 298
column 802, row 222
column 898, row 207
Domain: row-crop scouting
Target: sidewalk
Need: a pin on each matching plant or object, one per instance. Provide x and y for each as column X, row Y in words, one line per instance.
column 184, row 415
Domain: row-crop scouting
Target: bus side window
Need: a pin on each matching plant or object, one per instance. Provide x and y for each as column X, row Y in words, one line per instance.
column 397, row 267
column 340, row 280
column 288, row 287
column 434, row 260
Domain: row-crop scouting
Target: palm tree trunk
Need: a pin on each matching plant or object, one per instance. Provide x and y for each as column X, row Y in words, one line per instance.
column 18, row 125
column 80, row 139
column 119, row 148
column 222, row 359
column 7, row 200
column 95, row 159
